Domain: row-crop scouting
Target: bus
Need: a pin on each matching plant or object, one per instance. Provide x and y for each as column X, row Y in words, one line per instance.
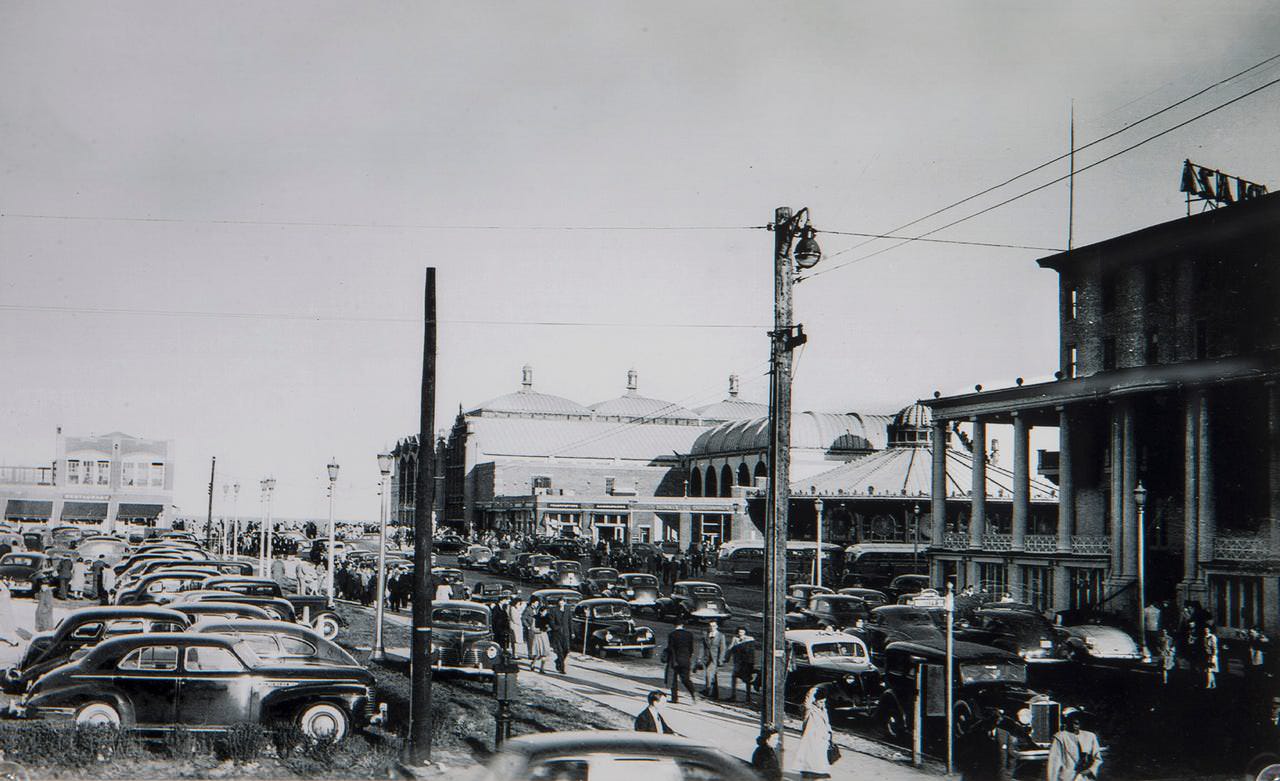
column 745, row 559
column 876, row 564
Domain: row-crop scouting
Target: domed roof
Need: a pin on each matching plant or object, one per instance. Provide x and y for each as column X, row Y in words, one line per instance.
column 911, row 427
column 915, row 415
column 826, row 431
column 732, row 408
column 633, row 405
column 526, row 401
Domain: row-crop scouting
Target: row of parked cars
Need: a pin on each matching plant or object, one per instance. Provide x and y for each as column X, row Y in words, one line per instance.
column 206, row 649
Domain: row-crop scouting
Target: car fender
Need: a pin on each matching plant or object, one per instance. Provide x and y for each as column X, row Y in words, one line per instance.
column 80, row 693
column 280, row 702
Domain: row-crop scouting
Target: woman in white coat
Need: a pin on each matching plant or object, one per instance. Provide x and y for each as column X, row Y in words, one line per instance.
column 811, row 752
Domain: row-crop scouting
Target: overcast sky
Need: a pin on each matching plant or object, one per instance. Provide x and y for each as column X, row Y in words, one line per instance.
column 216, row 216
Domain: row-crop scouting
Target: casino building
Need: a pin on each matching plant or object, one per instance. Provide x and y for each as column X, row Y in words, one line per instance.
column 1169, row 357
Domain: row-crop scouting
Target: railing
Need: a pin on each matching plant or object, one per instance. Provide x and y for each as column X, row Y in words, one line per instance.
column 1243, row 547
column 995, row 541
column 955, row 540
column 1091, row 545
column 1041, row 543
column 26, row 475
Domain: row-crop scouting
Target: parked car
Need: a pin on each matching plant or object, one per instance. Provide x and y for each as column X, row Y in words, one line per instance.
column 449, row 545
column 1029, row 635
column 85, row 628
column 838, row 611
column 798, row 595
column 278, row 642
column 599, row 580
column 20, row 571
column 564, row 573
column 639, row 589
column 562, row 548
column 490, row 591
column 536, row 567
column 110, row 549
column 314, row 610
column 201, row 682
column 603, row 626
column 911, row 583
column 160, row 588
column 455, row 579
column 278, row 607
column 1101, row 643
column 895, row 623
column 503, row 560
column 694, row 600
column 987, row 682
column 462, row 637
column 872, row 597
column 554, row 596
column 610, row 754
column 839, row 660
column 221, row 611
column 475, row 556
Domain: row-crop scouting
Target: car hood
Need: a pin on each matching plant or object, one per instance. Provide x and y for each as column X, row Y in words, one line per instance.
column 315, row 668
column 843, row 665
column 1105, row 640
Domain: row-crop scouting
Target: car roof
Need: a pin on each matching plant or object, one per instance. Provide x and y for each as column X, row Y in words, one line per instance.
column 223, row 606
column 126, row 643
column 1010, row 612
column 961, row 650
column 696, row 583
column 602, row 601
column 260, row 625
column 458, row 603
column 897, row 610
column 108, row 612
column 816, row 635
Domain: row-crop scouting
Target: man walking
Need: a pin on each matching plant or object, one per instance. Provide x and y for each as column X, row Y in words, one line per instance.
column 742, row 657
column 713, row 653
column 680, row 657
column 1075, row 754
column 650, row 719
column 561, row 627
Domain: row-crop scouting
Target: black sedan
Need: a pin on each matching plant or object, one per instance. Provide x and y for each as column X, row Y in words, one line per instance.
column 281, row 642
column 839, row 661
column 19, row 571
column 604, row 626
column 896, row 623
column 1029, row 635
column 462, row 637
column 837, row 611
column 872, row 597
column 201, row 682
column 694, row 600
column 599, row 581
column 640, row 589
column 85, row 628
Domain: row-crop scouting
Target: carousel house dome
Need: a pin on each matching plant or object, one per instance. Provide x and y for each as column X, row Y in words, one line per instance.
column 527, row 401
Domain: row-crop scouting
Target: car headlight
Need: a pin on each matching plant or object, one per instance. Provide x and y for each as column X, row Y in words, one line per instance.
column 849, row 679
column 608, row 637
column 491, row 652
column 1024, row 717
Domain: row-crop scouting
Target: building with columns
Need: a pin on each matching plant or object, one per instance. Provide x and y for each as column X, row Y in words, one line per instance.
column 1169, row 355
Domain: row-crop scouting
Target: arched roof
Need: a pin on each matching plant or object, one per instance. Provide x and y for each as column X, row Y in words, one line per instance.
column 825, row 431
column 527, row 401
column 632, row 405
column 733, row 409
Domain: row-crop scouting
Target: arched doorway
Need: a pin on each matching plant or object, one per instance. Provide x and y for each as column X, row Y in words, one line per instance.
column 744, row 475
column 695, row 482
column 761, row 469
column 726, row 481
column 709, row 487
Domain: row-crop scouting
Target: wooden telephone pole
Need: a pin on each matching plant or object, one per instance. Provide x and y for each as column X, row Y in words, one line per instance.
column 424, row 500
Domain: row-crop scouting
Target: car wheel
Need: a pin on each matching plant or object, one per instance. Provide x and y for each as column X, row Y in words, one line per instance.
column 98, row 714
column 323, row 721
column 327, row 625
column 892, row 723
column 964, row 718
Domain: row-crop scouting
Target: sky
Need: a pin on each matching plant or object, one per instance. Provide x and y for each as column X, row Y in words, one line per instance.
column 215, row 217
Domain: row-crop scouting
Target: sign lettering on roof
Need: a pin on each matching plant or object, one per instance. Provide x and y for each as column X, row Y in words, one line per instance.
column 1206, row 184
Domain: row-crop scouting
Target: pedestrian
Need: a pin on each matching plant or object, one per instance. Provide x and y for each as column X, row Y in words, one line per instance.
column 1255, row 670
column 679, row 654
column 561, row 632
column 742, row 658
column 515, row 618
column 650, row 719
column 79, row 578
column 1075, row 754
column 1210, row 643
column 108, row 585
column 95, row 577
column 65, row 568
column 501, row 623
column 277, row 572
column 527, row 618
column 1168, row 655
column 540, row 644
column 444, row 591
column 44, row 605
column 8, row 627
column 713, row 655
column 815, row 738
column 765, row 758
column 1151, row 625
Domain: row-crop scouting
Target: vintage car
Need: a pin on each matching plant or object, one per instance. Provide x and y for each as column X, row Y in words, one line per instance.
column 490, row 591
column 280, row 641
column 19, row 571
column 561, row 548
column 135, row 557
column 640, row 589
column 242, row 568
column 798, row 595
column 161, row 588
column 462, row 637
column 872, row 597
column 279, row 608
column 552, row 597
column 1029, row 635
column 201, row 682
column 694, row 600
column 102, row 546
column 475, row 556
column 503, row 561
column 599, row 581
column 896, row 623
column 988, row 682
column 455, row 579
column 449, row 544
column 221, row 611
column 84, row 628
column 1100, row 643
column 837, row 611
column 536, row 567
column 314, row 610
column 606, row 754
column 911, row 583
column 838, row 660
column 564, row 574
column 603, row 625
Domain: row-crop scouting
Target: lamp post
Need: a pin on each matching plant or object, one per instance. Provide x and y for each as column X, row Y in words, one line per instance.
column 268, row 486
column 235, row 519
column 333, row 482
column 817, row 553
column 226, row 493
column 784, row 338
column 262, row 527
column 1140, row 498
column 384, row 466
column 915, row 540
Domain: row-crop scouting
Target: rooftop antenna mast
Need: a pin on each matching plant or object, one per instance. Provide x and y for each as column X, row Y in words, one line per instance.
column 1071, row 179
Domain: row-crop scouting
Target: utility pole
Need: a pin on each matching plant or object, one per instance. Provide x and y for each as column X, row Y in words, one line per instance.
column 208, row 521
column 420, row 644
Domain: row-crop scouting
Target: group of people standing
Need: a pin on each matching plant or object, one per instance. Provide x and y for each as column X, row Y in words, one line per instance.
column 712, row 651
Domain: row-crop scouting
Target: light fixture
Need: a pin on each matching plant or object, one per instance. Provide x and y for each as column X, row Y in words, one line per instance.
column 384, row 463
column 333, row 470
column 807, row 252
column 1140, row 495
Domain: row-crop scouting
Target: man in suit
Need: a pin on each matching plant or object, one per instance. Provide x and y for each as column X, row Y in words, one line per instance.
column 742, row 655
column 680, row 657
column 501, row 625
column 561, row 629
column 650, row 719
column 713, row 652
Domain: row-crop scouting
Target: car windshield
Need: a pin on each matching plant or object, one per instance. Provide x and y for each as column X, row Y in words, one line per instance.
column 830, row 650
column 604, row 574
column 842, row 607
column 912, row 619
column 706, row 591
column 646, row 581
column 611, row 610
column 624, row 765
column 568, row 566
column 472, row 619
column 19, row 560
column 996, row 672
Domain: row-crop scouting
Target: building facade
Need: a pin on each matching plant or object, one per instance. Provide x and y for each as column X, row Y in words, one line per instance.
column 108, row 481
column 1169, row 355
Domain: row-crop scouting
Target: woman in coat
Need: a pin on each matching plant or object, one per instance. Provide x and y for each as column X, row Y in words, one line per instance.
column 528, row 615
column 540, row 645
column 44, row 606
column 1210, row 658
column 811, row 751
column 515, row 612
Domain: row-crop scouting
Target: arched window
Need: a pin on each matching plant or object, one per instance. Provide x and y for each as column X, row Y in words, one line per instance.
column 726, row 481
column 744, row 475
column 695, row 482
column 762, row 470
column 709, row 487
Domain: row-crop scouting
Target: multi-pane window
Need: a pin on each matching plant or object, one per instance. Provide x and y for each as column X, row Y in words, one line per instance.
column 157, row 474
column 126, row 473
column 1086, row 587
column 1236, row 600
column 993, row 578
column 1073, row 362
column 90, row 472
column 73, row 471
column 104, row 472
column 1073, row 302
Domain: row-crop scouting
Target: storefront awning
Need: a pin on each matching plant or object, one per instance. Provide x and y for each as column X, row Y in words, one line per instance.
column 28, row 510
column 131, row 512
column 84, row 511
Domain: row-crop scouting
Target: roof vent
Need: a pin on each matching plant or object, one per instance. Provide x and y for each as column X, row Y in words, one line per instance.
column 526, row 377
column 733, row 386
column 633, row 380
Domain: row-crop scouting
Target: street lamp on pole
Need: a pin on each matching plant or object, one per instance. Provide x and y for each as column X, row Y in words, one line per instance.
column 384, row 466
column 915, row 540
column 333, row 481
column 1140, row 499
column 788, row 256
column 262, row 528
column 226, row 493
column 268, row 485
column 235, row 518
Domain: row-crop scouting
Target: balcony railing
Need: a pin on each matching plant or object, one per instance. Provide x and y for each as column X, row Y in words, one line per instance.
column 995, row 541
column 1091, row 545
column 1041, row 543
column 955, row 540
column 1243, row 547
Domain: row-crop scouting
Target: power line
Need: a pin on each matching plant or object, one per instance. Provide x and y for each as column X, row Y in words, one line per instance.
column 939, row 241
column 1038, row 188
column 1065, row 155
